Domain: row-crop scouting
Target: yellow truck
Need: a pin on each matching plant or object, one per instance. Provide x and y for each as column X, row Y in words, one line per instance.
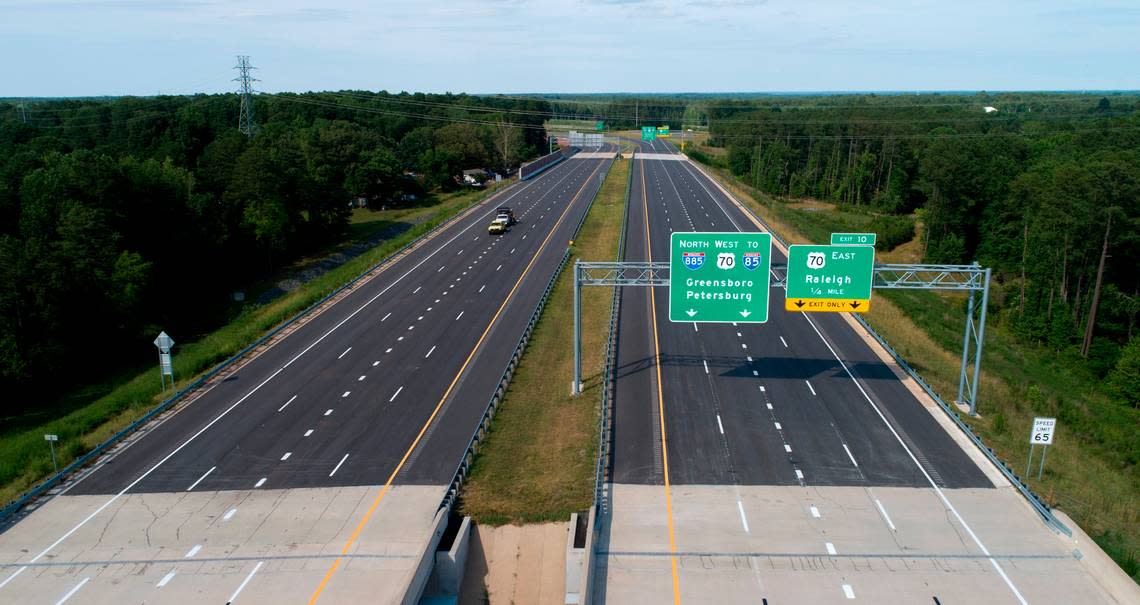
column 499, row 226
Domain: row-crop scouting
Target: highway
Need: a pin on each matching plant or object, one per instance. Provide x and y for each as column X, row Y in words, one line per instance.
column 788, row 461
column 377, row 395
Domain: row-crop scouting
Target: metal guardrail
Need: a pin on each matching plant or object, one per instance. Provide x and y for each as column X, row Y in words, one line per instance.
column 480, row 432
column 1034, row 500
column 605, row 419
column 15, row 506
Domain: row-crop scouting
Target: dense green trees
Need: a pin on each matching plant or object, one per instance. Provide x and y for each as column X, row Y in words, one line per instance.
column 1029, row 189
column 119, row 216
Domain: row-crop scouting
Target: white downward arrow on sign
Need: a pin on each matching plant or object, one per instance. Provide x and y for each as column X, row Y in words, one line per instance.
column 745, row 313
column 691, row 312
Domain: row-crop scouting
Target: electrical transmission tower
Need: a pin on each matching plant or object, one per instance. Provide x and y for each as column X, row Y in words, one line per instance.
column 245, row 118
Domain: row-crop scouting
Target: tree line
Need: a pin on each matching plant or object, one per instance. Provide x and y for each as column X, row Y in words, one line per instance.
column 1044, row 188
column 120, row 216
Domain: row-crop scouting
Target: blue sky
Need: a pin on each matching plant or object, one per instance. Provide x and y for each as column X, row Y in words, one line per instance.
column 143, row 47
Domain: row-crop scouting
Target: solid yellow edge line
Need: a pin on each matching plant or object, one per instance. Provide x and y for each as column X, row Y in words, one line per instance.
column 661, row 402
column 384, row 490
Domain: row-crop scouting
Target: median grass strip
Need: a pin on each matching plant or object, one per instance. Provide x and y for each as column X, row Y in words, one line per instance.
column 537, row 462
column 1087, row 474
column 24, row 456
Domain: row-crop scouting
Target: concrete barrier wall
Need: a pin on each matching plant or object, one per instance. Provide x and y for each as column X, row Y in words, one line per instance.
column 449, row 566
column 423, row 568
column 533, row 169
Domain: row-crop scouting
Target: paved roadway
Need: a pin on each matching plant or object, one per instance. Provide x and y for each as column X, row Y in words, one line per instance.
column 382, row 389
column 787, row 447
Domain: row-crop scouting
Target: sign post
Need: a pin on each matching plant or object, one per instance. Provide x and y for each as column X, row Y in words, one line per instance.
column 165, row 364
column 1042, row 434
column 719, row 277
column 51, row 439
column 853, row 239
column 829, row 278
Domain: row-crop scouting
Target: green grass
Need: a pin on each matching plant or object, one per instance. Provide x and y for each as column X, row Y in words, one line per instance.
column 537, row 463
column 1087, row 474
column 92, row 414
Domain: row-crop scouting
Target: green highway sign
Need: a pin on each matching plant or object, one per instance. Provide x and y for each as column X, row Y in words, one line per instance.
column 852, row 239
column 648, row 133
column 663, row 131
column 599, row 125
column 829, row 278
column 719, row 277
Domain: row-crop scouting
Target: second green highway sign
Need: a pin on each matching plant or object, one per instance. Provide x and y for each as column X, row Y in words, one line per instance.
column 719, row 277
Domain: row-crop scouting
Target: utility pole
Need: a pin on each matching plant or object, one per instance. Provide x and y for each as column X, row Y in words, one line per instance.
column 1096, row 291
column 23, row 113
column 245, row 117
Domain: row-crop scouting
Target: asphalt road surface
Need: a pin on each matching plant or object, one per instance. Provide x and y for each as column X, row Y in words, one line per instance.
column 719, row 379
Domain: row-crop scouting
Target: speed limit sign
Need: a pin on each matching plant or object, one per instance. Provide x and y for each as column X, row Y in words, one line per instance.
column 1042, row 431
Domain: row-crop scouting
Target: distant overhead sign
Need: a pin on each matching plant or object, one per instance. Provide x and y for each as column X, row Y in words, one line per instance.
column 829, row 278
column 648, row 133
column 719, row 277
column 599, row 125
column 852, row 239
column 663, row 131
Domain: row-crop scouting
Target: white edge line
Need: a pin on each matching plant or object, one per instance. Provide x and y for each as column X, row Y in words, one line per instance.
column 198, row 547
column 345, row 353
column 719, row 425
column 743, row 519
column 850, row 456
column 811, row 388
column 287, row 403
column 166, row 579
column 396, row 394
column 933, row 485
column 241, row 586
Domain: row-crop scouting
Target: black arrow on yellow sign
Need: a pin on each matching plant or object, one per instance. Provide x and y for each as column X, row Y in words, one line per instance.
column 854, row 304
column 799, row 303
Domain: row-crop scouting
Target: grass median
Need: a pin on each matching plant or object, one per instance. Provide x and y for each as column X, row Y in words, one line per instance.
column 538, row 461
column 95, row 413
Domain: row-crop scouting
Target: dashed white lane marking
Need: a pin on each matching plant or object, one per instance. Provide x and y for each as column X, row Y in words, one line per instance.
column 241, row 586
column 287, row 403
column 260, row 482
column 743, row 346
column 195, row 484
column 481, row 287
column 743, row 519
column 399, row 338
column 386, row 317
column 72, row 592
column 337, row 467
column 308, row 432
column 417, row 290
column 388, row 350
column 738, row 335
column 787, row 448
column 420, row 318
column 847, row 592
column 328, row 412
column 229, row 515
column 778, row 427
column 810, row 387
column 499, row 267
column 784, row 341
column 429, row 308
column 198, row 547
column 286, row 456
column 850, row 456
column 345, row 353
column 761, row 389
column 695, row 329
column 719, row 425
column 512, row 250
column 814, row 511
column 799, row 474
column 770, row 406
column 749, row 357
column 706, row 365
column 440, row 268
column 886, row 517
column 458, row 316
column 429, row 352
column 755, row 372
column 437, row 301
column 166, row 579
column 410, row 328
column 830, row 548
column 394, row 395
column 376, row 363
column 361, row 379
column 346, row 393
